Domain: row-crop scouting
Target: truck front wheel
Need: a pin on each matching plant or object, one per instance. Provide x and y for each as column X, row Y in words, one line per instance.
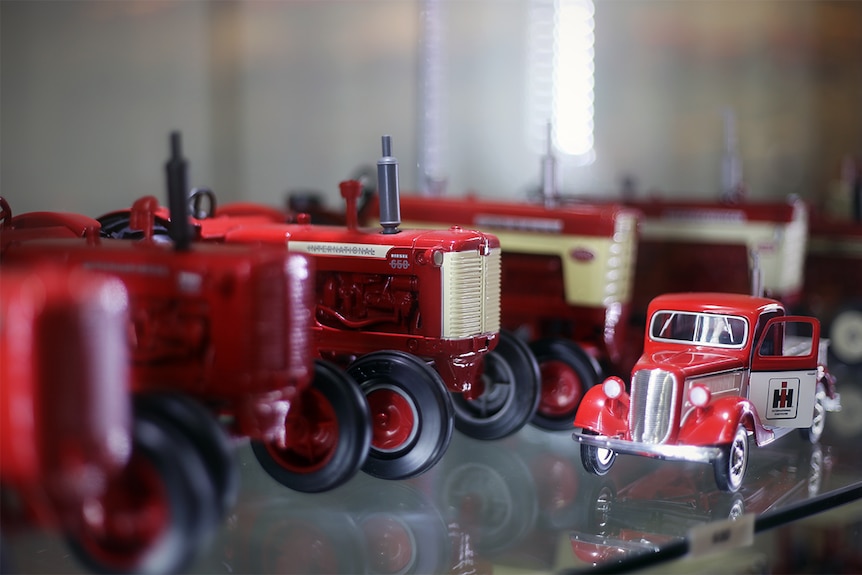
column 597, row 460
column 731, row 465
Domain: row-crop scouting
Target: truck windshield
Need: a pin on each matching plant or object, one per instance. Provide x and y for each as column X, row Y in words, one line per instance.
column 699, row 328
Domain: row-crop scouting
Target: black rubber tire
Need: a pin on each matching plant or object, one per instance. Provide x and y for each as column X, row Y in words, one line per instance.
column 814, row 432
column 597, row 460
column 511, row 395
column 211, row 440
column 335, row 399
column 845, row 335
column 190, row 503
column 582, row 374
column 116, row 226
column 729, row 468
column 417, row 384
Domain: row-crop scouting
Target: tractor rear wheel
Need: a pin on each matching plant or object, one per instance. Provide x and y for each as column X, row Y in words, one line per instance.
column 511, row 394
column 567, row 372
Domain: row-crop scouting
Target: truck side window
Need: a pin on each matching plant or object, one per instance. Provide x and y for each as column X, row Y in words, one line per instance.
column 773, row 343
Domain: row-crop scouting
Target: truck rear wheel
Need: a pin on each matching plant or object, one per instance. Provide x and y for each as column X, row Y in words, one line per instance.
column 411, row 413
column 567, row 372
column 818, row 423
column 845, row 336
column 731, row 465
column 153, row 515
column 511, row 395
column 328, row 432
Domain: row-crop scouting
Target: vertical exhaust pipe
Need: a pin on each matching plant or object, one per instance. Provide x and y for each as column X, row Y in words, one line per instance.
column 387, row 186
column 176, row 172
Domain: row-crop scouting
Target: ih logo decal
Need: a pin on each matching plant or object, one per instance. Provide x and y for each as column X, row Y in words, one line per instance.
column 783, row 394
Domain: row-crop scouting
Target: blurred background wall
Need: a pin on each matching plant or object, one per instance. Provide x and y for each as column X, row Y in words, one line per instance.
column 278, row 96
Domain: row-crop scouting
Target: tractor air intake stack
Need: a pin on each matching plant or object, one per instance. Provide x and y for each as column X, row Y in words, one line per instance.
column 176, row 171
column 387, row 186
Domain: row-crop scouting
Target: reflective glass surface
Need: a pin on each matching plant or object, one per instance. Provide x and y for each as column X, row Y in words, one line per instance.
column 525, row 505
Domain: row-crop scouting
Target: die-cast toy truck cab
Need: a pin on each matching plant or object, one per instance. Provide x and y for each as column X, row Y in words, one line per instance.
column 716, row 369
column 414, row 316
column 567, row 277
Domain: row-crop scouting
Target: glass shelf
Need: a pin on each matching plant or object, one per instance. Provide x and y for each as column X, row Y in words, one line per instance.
column 518, row 505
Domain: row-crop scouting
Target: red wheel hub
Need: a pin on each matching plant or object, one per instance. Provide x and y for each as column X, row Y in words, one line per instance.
column 394, row 418
column 562, row 389
column 127, row 521
column 392, row 545
column 312, row 434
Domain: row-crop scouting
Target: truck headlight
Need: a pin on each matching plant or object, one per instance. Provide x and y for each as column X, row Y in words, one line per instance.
column 613, row 387
column 699, row 396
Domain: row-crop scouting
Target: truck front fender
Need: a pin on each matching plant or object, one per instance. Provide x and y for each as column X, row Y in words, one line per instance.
column 716, row 423
column 602, row 414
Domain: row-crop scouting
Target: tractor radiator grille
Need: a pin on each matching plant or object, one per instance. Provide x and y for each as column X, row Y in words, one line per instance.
column 470, row 293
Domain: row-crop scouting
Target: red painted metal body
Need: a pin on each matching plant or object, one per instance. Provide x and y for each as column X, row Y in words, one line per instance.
column 227, row 325
column 713, row 364
column 705, row 246
column 833, row 283
column 65, row 410
column 566, row 270
column 397, row 291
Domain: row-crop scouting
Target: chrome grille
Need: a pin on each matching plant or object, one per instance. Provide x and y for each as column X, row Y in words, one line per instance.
column 471, row 293
column 652, row 401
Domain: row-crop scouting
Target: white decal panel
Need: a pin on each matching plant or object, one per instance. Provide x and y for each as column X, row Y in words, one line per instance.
column 340, row 249
column 784, row 398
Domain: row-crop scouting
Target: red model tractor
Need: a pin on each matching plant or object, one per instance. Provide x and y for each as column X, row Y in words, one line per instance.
column 221, row 327
column 716, row 369
column 130, row 493
column 567, row 277
column 412, row 315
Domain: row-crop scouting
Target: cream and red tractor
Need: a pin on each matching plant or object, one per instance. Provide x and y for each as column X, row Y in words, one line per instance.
column 717, row 370
column 413, row 316
column 567, row 278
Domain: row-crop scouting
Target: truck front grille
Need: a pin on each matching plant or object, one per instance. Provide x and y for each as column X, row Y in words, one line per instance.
column 652, row 401
column 470, row 293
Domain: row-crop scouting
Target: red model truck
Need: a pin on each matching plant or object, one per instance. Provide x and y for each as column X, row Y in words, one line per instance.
column 716, row 368
column 413, row 315
column 125, row 489
column 225, row 327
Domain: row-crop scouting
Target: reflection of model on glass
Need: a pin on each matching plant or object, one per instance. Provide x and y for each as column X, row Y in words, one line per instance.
column 716, row 369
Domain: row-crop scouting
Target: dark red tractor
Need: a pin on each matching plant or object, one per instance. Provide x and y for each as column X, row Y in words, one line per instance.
column 413, row 316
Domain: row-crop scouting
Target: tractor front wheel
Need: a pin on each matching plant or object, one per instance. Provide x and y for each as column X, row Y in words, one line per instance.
column 411, row 413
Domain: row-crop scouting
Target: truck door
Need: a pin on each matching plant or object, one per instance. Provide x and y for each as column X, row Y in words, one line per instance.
column 784, row 371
